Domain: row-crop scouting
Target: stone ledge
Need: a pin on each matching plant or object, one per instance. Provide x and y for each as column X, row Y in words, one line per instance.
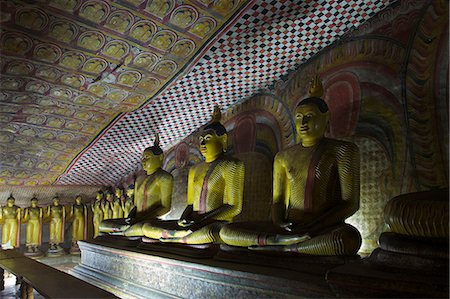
column 131, row 273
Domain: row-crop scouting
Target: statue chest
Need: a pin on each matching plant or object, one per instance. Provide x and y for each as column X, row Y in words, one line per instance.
column 56, row 212
column 78, row 210
column 10, row 213
column 34, row 213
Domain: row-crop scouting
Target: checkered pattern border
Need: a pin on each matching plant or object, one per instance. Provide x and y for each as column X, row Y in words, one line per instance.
column 266, row 43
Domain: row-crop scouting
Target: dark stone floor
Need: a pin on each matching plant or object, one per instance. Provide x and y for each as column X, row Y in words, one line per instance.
column 63, row 263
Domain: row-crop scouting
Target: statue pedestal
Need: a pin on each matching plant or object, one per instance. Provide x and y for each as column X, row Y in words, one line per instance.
column 133, row 273
column 391, row 275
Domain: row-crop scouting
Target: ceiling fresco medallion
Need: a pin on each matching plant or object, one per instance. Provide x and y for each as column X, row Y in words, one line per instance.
column 70, row 67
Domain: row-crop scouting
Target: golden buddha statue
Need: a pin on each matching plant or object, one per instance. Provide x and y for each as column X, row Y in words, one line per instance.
column 107, row 205
column 214, row 195
column 117, row 204
column 33, row 218
column 128, row 204
column 315, row 188
column 56, row 215
column 152, row 195
column 78, row 215
column 10, row 219
column 97, row 212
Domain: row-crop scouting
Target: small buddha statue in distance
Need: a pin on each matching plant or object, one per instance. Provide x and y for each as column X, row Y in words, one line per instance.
column 56, row 215
column 32, row 217
column 10, row 216
column 78, row 215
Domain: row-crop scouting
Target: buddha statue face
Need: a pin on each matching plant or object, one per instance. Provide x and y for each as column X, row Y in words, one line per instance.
column 212, row 145
column 34, row 202
column 10, row 201
column 78, row 200
column 118, row 192
column 109, row 196
column 56, row 201
column 130, row 191
column 311, row 123
column 99, row 195
column 151, row 162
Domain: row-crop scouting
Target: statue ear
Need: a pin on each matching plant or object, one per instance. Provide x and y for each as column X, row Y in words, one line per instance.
column 224, row 139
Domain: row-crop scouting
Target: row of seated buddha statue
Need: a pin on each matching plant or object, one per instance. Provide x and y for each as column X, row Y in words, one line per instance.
column 315, row 188
column 34, row 217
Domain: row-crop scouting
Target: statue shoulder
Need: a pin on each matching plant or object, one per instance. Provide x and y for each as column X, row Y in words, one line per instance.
column 341, row 144
column 287, row 153
column 165, row 175
column 230, row 161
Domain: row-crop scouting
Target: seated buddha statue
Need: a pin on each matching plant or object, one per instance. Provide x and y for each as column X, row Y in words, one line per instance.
column 315, row 188
column 152, row 195
column 10, row 215
column 214, row 193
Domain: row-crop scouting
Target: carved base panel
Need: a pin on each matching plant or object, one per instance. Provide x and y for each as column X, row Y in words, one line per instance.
column 133, row 273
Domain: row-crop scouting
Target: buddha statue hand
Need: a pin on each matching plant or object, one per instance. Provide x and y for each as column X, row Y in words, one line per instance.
column 131, row 219
column 286, row 225
column 277, row 218
column 186, row 218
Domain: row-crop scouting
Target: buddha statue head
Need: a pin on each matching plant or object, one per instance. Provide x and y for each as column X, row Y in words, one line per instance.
column 99, row 195
column 312, row 115
column 109, row 195
column 152, row 157
column 78, row 200
column 55, row 201
column 10, row 201
column 119, row 192
column 130, row 191
column 213, row 138
column 34, row 202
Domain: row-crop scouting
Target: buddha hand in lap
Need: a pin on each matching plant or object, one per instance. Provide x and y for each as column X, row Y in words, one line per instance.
column 315, row 188
column 152, row 195
column 214, row 195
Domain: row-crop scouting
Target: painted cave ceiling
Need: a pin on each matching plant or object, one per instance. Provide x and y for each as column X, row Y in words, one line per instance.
column 85, row 85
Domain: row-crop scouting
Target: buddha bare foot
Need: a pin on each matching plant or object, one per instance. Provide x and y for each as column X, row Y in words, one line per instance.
column 272, row 248
column 119, row 233
column 170, row 240
column 279, row 239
